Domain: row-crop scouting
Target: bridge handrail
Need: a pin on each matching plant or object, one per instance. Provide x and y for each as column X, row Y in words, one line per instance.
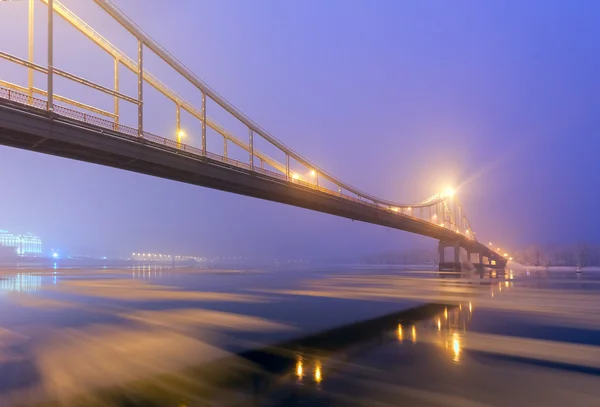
column 24, row 99
column 188, row 74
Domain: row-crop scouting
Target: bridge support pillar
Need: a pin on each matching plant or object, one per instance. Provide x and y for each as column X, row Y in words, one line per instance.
column 478, row 263
column 453, row 265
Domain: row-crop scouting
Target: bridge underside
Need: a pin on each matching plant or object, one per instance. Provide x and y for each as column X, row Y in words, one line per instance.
column 478, row 256
column 33, row 129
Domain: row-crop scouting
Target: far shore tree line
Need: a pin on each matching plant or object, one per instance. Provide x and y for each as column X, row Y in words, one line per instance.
column 579, row 255
column 410, row 256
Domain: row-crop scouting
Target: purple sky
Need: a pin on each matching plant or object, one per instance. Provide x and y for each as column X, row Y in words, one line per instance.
column 397, row 98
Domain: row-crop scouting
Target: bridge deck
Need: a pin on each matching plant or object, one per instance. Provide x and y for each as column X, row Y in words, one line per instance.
column 35, row 129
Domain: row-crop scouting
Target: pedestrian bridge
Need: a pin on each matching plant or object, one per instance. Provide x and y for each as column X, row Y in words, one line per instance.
column 43, row 120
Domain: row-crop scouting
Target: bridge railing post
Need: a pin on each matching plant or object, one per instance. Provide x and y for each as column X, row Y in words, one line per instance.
column 116, row 98
column 140, row 88
column 30, row 50
column 251, row 147
column 178, row 124
column 204, row 123
column 50, row 54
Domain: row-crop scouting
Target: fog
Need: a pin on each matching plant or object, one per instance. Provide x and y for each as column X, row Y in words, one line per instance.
column 398, row 100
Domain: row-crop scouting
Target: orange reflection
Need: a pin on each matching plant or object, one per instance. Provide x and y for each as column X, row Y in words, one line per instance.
column 414, row 334
column 299, row 369
column 456, row 347
column 318, row 376
column 400, row 334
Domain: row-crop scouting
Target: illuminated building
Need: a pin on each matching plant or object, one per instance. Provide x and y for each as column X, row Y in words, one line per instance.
column 25, row 245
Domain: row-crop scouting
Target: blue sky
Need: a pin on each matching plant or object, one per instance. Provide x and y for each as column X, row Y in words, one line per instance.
column 398, row 98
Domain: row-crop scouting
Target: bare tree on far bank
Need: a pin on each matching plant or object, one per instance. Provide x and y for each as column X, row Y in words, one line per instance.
column 580, row 255
column 411, row 256
column 576, row 255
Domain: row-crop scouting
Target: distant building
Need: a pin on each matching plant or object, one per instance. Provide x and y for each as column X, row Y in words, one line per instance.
column 25, row 245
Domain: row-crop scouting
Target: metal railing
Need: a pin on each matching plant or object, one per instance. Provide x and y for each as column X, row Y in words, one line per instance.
column 40, row 104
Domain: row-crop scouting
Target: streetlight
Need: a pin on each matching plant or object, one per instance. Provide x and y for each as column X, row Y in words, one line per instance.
column 449, row 192
column 180, row 135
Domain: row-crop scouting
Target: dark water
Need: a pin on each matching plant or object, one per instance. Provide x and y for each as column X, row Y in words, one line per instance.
column 345, row 335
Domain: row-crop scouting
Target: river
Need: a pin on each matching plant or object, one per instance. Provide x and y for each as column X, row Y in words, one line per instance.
column 302, row 335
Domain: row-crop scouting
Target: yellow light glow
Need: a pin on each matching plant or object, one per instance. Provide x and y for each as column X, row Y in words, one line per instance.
column 299, row 368
column 446, row 313
column 505, row 254
column 400, row 334
column 490, row 243
column 409, row 208
column 318, row 376
column 470, row 307
column 439, row 324
column 456, row 347
column 449, row 192
column 414, row 334
column 180, row 135
column 295, row 176
column 510, row 258
column 313, row 173
column 395, row 209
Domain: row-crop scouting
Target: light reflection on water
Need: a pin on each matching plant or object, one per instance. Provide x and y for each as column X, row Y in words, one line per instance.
column 132, row 296
column 22, row 282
